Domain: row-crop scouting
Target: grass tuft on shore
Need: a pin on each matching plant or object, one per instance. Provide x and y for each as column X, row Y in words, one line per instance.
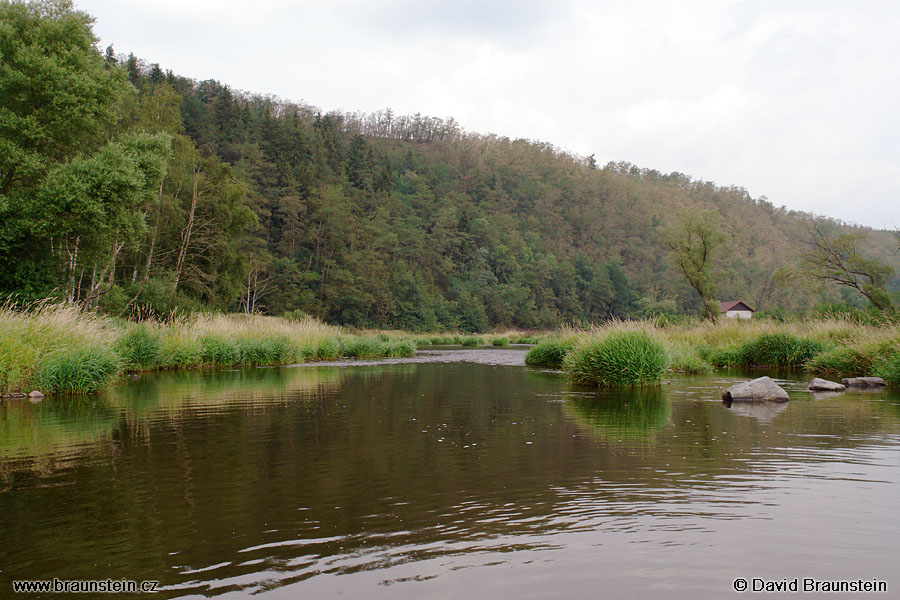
column 549, row 353
column 617, row 359
column 82, row 370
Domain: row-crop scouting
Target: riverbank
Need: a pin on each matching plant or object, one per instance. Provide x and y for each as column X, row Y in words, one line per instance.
column 834, row 347
column 58, row 348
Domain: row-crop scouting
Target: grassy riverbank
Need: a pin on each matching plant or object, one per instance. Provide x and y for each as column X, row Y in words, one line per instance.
column 59, row 348
column 831, row 347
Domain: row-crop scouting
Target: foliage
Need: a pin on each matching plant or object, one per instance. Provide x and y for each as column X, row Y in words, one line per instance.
column 847, row 360
column 696, row 240
column 82, row 370
column 221, row 352
column 500, row 341
column 779, row 350
column 686, row 359
column 30, row 334
column 621, row 358
column 889, row 369
column 171, row 196
column 139, row 347
column 838, row 257
column 67, row 349
column 549, row 353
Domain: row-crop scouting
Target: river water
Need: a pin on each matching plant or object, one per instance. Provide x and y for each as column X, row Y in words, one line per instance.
column 458, row 473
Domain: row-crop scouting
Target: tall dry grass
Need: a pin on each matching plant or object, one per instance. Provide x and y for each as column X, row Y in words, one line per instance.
column 43, row 333
column 60, row 348
column 837, row 345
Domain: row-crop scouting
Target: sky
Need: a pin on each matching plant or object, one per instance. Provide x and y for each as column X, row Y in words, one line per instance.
column 796, row 101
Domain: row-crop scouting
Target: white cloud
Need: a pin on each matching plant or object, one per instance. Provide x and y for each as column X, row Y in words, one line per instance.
column 792, row 100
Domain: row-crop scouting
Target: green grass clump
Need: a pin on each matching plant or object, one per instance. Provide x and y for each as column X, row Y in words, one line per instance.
column 265, row 351
column 621, row 359
column 471, row 342
column 179, row 351
column 843, row 361
column 889, row 368
column 686, row 359
column 377, row 348
column 779, row 350
column 221, row 352
column 400, row 349
column 723, row 356
column 78, row 371
column 437, row 341
column 423, row 342
column 363, row 348
column 17, row 363
column 457, row 339
column 500, row 341
column 525, row 340
column 549, row 353
column 327, row 349
column 447, row 340
column 139, row 348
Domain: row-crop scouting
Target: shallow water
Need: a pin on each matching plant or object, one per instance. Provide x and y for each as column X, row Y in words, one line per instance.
column 431, row 477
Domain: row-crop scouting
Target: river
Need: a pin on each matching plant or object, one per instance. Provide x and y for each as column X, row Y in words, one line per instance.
column 454, row 474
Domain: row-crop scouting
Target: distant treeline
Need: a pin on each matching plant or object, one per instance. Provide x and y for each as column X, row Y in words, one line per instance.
column 140, row 188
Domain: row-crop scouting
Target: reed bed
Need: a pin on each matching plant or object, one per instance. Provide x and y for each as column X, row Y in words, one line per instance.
column 59, row 348
column 44, row 343
column 550, row 352
column 617, row 358
column 837, row 347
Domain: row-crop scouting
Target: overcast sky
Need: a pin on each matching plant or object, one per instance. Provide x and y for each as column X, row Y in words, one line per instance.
column 796, row 101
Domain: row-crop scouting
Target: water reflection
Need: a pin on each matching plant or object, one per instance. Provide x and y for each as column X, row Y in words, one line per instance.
column 419, row 479
column 764, row 411
column 617, row 414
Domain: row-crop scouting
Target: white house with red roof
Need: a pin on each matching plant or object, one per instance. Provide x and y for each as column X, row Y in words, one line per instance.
column 736, row 310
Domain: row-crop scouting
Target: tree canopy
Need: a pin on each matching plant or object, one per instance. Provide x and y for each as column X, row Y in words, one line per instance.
column 127, row 186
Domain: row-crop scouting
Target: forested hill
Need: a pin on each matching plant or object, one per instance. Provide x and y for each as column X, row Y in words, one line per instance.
column 374, row 220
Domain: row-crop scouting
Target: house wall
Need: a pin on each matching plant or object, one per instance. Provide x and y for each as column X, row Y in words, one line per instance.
column 739, row 314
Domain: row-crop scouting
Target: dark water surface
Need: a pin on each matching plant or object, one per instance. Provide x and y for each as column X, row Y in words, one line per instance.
column 436, row 479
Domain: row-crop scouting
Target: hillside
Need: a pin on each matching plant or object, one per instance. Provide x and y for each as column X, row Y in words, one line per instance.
column 375, row 220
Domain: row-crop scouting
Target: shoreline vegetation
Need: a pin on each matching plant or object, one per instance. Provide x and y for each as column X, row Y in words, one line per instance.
column 628, row 353
column 60, row 348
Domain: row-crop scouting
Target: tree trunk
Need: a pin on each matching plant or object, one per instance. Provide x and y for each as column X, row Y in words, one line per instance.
column 186, row 234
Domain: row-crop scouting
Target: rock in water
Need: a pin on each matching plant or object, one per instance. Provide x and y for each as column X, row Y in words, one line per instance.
column 863, row 381
column 757, row 390
column 823, row 385
column 35, row 394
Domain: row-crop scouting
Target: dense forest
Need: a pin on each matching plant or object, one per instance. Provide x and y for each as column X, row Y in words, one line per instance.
column 131, row 189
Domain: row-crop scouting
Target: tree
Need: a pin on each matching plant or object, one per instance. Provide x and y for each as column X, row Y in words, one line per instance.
column 695, row 240
column 837, row 257
column 56, row 93
column 57, row 99
column 89, row 208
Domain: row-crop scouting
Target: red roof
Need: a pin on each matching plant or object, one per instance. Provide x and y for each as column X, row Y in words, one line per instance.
column 734, row 305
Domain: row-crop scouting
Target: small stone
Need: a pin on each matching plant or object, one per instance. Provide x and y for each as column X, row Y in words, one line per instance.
column 863, row 381
column 763, row 388
column 823, row 385
column 35, row 394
